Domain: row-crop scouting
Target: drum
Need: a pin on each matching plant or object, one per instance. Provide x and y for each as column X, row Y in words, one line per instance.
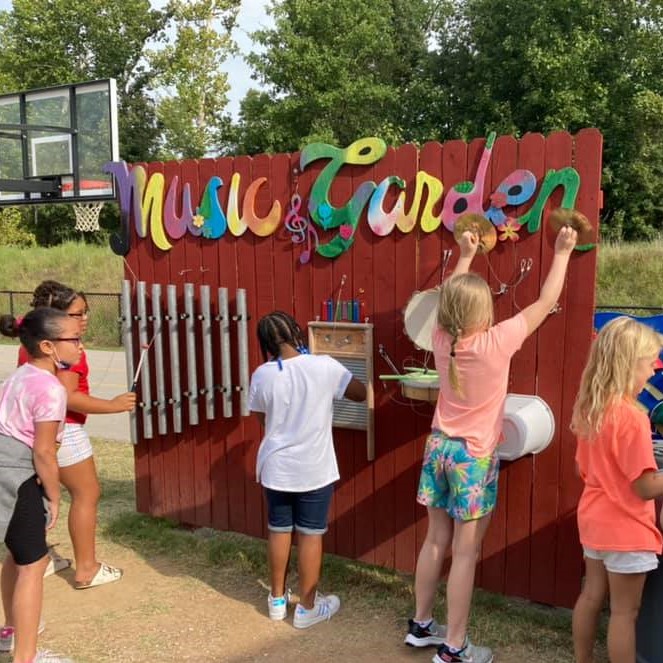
column 420, row 389
column 420, row 316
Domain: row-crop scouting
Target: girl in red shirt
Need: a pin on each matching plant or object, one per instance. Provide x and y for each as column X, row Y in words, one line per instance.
column 75, row 456
column 615, row 459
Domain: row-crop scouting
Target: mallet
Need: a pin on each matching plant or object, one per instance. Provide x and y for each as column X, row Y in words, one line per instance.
column 144, row 350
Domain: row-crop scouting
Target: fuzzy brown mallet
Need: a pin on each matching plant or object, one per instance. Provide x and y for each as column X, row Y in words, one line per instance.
column 480, row 226
column 561, row 217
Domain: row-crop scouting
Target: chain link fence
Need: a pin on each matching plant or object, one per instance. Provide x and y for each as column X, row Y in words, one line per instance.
column 103, row 324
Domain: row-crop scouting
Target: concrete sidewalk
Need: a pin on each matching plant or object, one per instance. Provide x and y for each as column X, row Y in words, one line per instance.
column 108, row 378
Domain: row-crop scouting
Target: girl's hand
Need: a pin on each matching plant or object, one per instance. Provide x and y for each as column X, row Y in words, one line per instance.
column 469, row 243
column 566, row 240
column 54, row 511
column 124, row 402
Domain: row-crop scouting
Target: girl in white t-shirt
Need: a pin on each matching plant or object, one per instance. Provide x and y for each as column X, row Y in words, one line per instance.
column 292, row 394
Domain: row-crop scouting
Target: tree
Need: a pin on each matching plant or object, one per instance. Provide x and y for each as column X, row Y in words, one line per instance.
column 192, row 88
column 514, row 66
column 335, row 70
column 50, row 42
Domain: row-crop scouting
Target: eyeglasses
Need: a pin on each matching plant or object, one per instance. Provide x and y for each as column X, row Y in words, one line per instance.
column 81, row 316
column 75, row 340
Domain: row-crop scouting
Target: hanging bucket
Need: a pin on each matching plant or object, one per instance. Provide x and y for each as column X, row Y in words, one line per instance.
column 528, row 426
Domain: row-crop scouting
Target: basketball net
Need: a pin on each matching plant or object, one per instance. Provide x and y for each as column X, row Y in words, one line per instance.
column 87, row 216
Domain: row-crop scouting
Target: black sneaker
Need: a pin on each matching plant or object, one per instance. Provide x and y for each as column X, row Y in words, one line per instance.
column 469, row 654
column 420, row 636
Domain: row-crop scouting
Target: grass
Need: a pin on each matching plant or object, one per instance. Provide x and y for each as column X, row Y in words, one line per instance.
column 79, row 265
column 93, row 269
column 630, row 274
column 503, row 622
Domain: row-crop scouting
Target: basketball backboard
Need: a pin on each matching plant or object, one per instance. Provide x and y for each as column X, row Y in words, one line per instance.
column 55, row 141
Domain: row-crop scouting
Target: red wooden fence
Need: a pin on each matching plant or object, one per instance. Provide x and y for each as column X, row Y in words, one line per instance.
column 206, row 475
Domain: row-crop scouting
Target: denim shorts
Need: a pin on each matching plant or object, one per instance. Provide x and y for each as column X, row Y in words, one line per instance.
column 454, row 480
column 306, row 512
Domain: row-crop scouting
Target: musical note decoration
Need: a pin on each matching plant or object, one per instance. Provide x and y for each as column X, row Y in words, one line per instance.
column 301, row 228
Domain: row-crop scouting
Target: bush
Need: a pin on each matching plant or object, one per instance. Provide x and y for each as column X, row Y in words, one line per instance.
column 13, row 231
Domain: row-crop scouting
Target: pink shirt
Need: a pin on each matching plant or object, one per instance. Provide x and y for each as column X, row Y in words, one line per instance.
column 611, row 516
column 81, row 369
column 483, row 362
column 29, row 395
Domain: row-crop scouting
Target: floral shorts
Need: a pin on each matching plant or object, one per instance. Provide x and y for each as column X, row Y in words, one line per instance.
column 454, row 480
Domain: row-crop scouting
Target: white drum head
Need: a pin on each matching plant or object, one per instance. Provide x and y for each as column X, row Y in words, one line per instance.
column 421, row 317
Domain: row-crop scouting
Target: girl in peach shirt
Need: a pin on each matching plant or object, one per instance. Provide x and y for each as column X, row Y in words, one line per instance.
column 459, row 476
column 616, row 514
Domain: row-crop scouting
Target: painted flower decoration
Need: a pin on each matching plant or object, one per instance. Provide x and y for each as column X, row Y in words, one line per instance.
column 498, row 199
column 346, row 231
column 509, row 230
column 198, row 220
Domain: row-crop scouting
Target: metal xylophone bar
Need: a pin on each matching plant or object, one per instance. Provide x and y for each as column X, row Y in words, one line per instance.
column 157, row 325
column 175, row 399
column 226, row 376
column 208, row 361
column 243, row 350
column 127, row 342
column 145, row 388
column 192, row 373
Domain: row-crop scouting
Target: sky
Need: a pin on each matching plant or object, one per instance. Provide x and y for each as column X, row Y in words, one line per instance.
column 252, row 16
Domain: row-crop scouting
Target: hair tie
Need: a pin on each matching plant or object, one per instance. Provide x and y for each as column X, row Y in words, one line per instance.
column 280, row 363
column 452, row 353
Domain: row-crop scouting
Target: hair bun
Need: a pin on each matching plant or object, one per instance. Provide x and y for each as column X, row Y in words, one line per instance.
column 9, row 326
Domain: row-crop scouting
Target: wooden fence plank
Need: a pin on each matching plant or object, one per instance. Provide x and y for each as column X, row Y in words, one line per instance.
column 581, row 284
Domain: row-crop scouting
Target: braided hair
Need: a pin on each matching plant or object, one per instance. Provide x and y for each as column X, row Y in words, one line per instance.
column 465, row 306
column 274, row 330
column 53, row 294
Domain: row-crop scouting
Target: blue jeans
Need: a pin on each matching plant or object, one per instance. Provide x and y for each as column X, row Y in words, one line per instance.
column 306, row 512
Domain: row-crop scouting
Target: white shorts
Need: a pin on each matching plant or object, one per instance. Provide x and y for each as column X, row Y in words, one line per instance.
column 76, row 446
column 624, row 562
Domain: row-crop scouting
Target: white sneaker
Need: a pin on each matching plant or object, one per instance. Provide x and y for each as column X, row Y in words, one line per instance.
column 324, row 608
column 44, row 656
column 277, row 606
column 7, row 636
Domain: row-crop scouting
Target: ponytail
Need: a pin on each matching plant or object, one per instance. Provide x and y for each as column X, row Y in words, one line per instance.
column 40, row 324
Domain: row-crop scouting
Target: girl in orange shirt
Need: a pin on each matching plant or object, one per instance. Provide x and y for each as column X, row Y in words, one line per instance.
column 616, row 513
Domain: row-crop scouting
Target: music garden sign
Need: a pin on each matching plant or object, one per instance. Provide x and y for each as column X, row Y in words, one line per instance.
column 322, row 227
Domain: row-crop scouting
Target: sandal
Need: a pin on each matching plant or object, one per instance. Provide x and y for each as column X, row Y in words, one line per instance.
column 56, row 563
column 103, row 576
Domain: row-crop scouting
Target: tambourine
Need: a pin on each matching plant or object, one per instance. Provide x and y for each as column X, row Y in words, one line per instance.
column 420, row 316
column 479, row 225
column 561, row 217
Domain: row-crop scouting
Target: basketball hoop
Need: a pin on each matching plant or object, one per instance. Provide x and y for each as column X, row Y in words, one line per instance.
column 87, row 216
column 87, row 213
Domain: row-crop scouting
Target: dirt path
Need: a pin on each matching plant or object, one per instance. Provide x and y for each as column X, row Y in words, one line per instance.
column 163, row 612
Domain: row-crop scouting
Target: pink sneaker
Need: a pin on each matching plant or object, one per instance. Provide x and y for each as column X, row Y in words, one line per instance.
column 7, row 636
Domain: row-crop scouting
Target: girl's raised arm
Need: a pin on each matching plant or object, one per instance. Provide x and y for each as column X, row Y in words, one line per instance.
column 551, row 289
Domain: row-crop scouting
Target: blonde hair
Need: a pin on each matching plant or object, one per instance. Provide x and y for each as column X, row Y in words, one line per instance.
column 610, row 371
column 465, row 306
